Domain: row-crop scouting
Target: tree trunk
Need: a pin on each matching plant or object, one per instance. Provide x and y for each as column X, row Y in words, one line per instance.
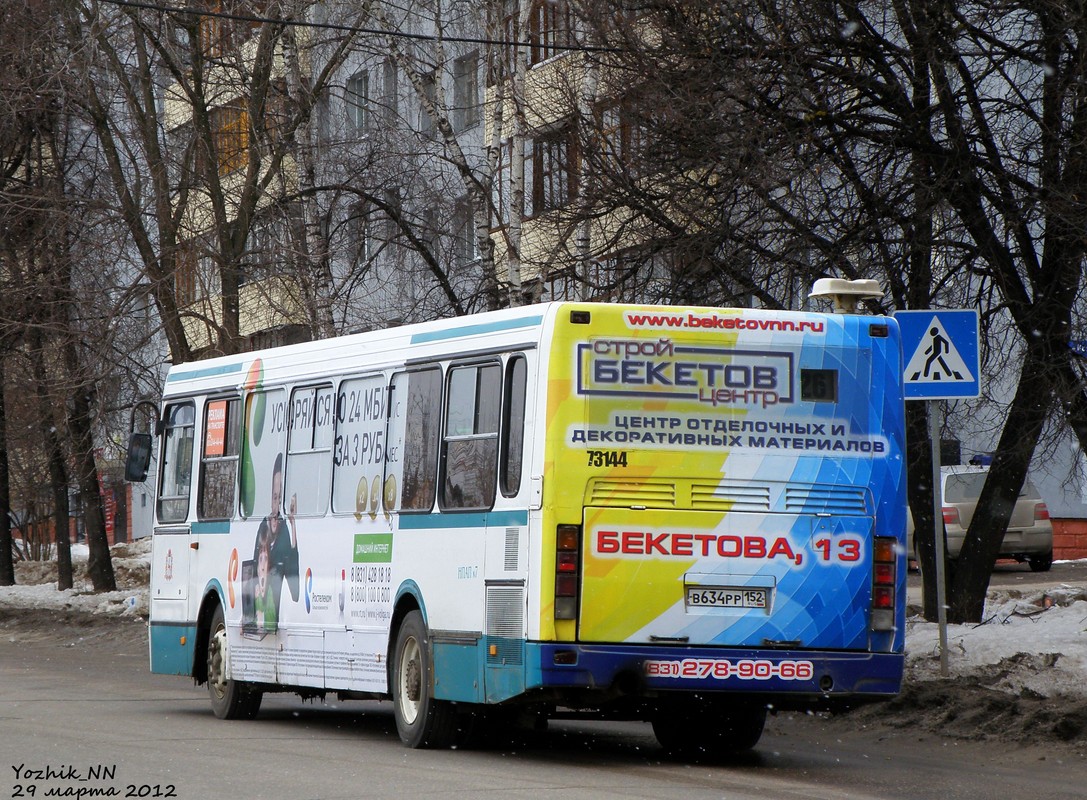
column 7, row 562
column 920, row 496
column 99, row 563
column 969, row 574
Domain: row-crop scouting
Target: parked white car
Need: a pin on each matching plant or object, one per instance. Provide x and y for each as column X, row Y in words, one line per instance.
column 1029, row 536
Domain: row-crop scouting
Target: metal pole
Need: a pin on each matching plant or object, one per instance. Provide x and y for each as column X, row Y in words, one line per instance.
column 935, row 422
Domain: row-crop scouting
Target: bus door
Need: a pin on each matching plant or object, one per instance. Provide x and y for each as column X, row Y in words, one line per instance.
column 734, row 578
column 170, row 543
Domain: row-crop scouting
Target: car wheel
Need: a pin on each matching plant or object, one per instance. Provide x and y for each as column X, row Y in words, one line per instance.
column 1040, row 563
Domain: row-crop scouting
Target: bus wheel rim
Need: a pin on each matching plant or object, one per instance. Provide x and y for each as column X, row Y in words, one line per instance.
column 410, row 681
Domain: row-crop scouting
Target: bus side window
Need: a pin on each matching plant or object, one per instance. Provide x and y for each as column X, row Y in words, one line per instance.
column 415, row 416
column 513, row 425
column 359, row 446
column 309, row 448
column 219, row 458
column 470, row 447
column 176, row 463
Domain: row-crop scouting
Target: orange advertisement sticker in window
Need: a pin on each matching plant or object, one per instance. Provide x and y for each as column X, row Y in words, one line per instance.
column 215, row 438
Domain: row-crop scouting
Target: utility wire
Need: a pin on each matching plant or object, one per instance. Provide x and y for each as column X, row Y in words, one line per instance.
column 332, row 26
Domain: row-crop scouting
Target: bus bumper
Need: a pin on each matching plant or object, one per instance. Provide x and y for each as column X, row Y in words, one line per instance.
column 788, row 678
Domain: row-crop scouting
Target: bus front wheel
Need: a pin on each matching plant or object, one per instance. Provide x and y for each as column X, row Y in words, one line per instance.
column 421, row 720
column 230, row 699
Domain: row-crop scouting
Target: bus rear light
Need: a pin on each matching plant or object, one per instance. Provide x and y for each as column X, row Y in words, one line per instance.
column 883, row 597
column 884, row 582
column 566, row 562
column 567, row 570
column 565, row 586
column 1041, row 511
column 885, row 574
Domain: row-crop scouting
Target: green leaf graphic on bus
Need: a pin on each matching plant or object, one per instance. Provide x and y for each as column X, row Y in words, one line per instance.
column 254, row 426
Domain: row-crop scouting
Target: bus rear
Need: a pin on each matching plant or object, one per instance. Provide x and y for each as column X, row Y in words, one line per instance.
column 724, row 504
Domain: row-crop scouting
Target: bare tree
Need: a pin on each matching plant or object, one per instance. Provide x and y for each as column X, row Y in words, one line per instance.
column 936, row 145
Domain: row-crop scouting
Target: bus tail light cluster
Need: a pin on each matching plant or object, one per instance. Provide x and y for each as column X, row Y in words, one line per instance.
column 567, row 570
column 884, row 583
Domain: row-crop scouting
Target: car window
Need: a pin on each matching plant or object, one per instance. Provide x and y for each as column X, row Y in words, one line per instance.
column 960, row 487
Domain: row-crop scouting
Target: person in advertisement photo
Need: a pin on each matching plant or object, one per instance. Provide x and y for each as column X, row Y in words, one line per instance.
column 275, row 557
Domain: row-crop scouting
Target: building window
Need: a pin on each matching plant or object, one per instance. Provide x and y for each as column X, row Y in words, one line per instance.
column 620, row 138
column 466, row 109
column 219, row 35
column 230, row 135
column 393, row 212
column 185, row 267
column 427, row 102
column 550, row 32
column 390, row 81
column 550, row 29
column 554, row 173
column 466, row 245
column 358, row 234
column 356, row 96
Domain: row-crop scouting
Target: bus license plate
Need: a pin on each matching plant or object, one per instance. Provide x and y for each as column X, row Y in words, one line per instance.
column 726, row 597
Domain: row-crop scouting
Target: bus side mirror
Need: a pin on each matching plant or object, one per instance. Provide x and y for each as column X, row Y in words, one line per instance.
column 139, row 457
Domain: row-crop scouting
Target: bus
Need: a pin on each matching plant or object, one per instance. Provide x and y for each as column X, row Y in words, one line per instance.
column 682, row 515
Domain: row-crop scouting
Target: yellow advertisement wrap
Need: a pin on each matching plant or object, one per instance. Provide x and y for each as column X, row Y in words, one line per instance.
column 719, row 464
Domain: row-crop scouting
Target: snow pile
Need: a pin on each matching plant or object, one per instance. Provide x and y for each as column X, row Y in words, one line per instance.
column 36, row 583
column 1026, row 644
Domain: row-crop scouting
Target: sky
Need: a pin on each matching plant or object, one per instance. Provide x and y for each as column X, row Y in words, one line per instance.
column 1038, row 640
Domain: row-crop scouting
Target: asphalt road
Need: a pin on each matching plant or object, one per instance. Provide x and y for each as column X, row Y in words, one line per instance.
column 79, row 712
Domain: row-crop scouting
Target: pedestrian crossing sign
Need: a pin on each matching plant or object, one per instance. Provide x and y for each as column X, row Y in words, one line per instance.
column 940, row 350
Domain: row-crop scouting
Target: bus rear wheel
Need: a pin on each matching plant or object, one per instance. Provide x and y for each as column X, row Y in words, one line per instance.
column 421, row 720
column 708, row 730
column 230, row 699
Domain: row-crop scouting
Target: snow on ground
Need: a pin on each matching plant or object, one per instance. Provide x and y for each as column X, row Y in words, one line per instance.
column 36, row 584
column 1028, row 644
column 1034, row 643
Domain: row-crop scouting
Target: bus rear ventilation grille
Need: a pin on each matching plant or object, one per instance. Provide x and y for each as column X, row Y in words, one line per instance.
column 828, row 499
column 627, row 495
column 728, row 496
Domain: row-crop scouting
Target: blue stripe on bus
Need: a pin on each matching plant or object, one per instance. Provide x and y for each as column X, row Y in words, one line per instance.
column 470, row 519
column 474, row 330
column 222, row 526
column 206, row 372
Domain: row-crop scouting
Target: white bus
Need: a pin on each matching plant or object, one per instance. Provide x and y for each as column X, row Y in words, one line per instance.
column 677, row 514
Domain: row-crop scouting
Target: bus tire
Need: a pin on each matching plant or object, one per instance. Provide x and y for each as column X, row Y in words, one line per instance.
column 421, row 720
column 230, row 699
column 708, row 731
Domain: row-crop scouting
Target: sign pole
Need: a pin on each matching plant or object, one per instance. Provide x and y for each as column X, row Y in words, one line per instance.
column 940, row 348
column 935, row 422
